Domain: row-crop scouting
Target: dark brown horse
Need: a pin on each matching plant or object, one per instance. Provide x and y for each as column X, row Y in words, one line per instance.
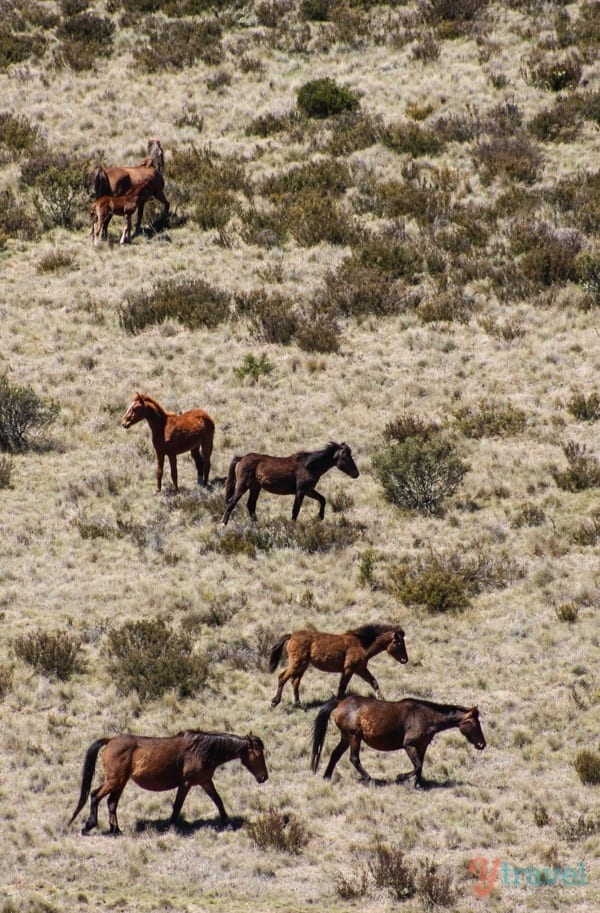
column 388, row 726
column 104, row 208
column 179, row 762
column 292, row 475
column 118, row 179
column 346, row 653
column 174, row 433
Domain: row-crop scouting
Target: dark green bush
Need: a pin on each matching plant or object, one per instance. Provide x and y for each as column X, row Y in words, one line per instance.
column 174, row 45
column 271, row 316
column 583, row 469
column 272, row 829
column 58, row 184
column 419, row 473
column 23, row 415
column 584, row 407
column 253, row 367
column 490, row 419
column 391, row 871
column 587, row 765
column 407, row 137
column 15, row 220
column 151, row 658
column 57, row 654
column 192, row 302
column 323, row 98
column 554, row 72
column 514, row 158
column 84, row 37
column 408, row 424
column 432, row 584
column 17, row 136
column 16, row 47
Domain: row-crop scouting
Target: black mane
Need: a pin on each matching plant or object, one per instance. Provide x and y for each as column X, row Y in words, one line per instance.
column 367, row 634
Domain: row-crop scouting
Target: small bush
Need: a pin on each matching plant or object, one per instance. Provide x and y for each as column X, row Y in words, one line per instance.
column 567, row 611
column 54, row 261
column 561, row 123
column 23, row 415
column 317, row 332
column 16, row 47
column 271, row 316
column 17, row 136
column 553, row 72
column 435, row 886
column 514, row 158
column 312, row 219
column 58, row 184
column 413, row 139
column 588, row 271
column 409, row 424
column 580, row 828
column 253, row 368
column 6, row 471
column 431, row 584
column 588, row 531
column 490, row 419
column 57, row 655
column 327, row 176
column 84, row 37
column 174, row 45
column 6, row 680
column 582, row 472
column 352, row 887
column 192, row 302
column 426, row 49
column 418, row 474
column 352, row 131
column 322, row 98
column 587, row 765
column 353, row 290
column 391, row 871
column 585, row 408
column 274, row 830
column 446, row 306
column 150, row 658
column 265, row 125
column 529, row 515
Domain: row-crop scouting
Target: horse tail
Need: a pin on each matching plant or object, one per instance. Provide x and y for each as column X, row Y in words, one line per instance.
column 320, row 731
column 230, row 484
column 99, row 182
column 89, row 766
column 276, row 652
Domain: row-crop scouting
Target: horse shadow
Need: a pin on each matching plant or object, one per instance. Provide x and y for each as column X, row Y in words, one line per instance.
column 186, row 828
column 406, row 780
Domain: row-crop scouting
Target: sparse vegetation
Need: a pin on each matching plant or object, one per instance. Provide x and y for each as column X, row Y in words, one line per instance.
column 56, row 654
column 587, row 765
column 272, row 829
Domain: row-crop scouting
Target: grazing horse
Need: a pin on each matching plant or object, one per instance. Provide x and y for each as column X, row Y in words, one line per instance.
column 180, row 761
column 388, row 726
column 346, row 653
column 104, row 208
column 174, row 433
column 292, row 475
column 117, row 180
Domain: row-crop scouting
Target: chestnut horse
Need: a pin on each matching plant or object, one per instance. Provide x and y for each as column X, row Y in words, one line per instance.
column 346, row 653
column 174, row 433
column 118, row 179
column 104, row 208
column 410, row 724
column 180, row 761
column 292, row 475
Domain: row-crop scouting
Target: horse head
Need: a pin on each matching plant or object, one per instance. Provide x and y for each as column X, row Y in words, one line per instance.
column 135, row 413
column 252, row 757
column 471, row 728
column 397, row 647
column 156, row 155
column 342, row 458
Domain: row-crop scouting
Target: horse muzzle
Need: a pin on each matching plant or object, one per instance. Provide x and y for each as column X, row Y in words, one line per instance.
column 125, row 425
column 262, row 778
column 480, row 745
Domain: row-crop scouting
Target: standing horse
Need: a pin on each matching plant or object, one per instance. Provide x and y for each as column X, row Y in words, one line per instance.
column 410, row 724
column 180, row 761
column 104, row 208
column 346, row 653
column 292, row 475
column 174, row 433
column 118, row 179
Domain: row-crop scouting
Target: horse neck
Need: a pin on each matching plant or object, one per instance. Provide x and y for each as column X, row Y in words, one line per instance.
column 226, row 748
column 446, row 717
column 380, row 643
column 320, row 461
column 156, row 417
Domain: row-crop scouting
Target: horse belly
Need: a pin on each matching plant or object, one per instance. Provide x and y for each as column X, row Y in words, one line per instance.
column 384, row 742
column 156, row 768
column 329, row 661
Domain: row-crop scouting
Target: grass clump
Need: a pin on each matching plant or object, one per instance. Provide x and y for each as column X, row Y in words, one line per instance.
column 409, row 424
column 54, row 261
column 413, row 139
column 432, row 584
column 553, row 72
column 513, row 158
column 148, row 657
column 490, row 419
column 192, row 302
column 84, row 37
column 273, row 829
column 567, row 611
column 15, row 219
column 391, row 871
column 57, row 654
column 174, row 45
column 6, row 679
column 418, row 474
column 582, row 472
column 23, row 415
column 253, row 368
column 585, row 407
column 587, row 766
column 435, row 886
column 321, row 98
column 6, row 471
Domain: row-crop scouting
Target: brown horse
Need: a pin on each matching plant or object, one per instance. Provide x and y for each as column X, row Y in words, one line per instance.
column 346, row 653
column 292, row 475
column 174, row 433
column 104, row 208
column 118, row 179
column 388, row 726
column 179, row 762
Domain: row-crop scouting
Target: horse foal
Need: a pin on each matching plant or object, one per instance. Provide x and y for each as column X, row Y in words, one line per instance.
column 104, row 208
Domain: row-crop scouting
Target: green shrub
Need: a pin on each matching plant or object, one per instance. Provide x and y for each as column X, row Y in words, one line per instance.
column 253, row 367
column 582, row 472
column 391, row 871
column 312, row 218
column 271, row 316
column 15, row 220
column 490, row 419
column 16, row 47
column 84, row 37
column 23, row 415
column 150, row 658
column 418, row 474
column 588, row 271
column 554, row 72
column 174, row 45
column 352, row 131
column 17, row 136
column 54, row 654
column 549, row 255
column 587, row 765
column 317, row 332
column 432, row 584
column 265, row 125
column 514, row 158
column 413, row 139
column 323, row 98
column 408, row 424
column 192, row 302
column 273, row 829
column 567, row 611
column 584, row 407
column 58, row 184
column 326, row 176
column 353, row 290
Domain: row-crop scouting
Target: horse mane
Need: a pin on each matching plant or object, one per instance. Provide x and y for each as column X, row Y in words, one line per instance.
column 441, row 708
column 149, row 401
column 316, row 456
column 368, row 634
column 214, row 747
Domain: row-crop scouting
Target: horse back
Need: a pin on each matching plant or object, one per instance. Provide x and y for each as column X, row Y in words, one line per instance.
column 188, row 430
column 154, row 763
column 328, row 652
column 381, row 724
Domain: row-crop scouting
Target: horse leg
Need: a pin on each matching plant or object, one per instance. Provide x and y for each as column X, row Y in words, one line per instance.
column 104, row 227
column 318, row 497
column 370, row 680
column 209, row 789
column 252, row 499
column 92, row 820
column 199, row 465
column 182, row 792
column 416, row 754
column 206, row 452
column 344, row 680
column 297, row 504
column 160, row 464
column 355, row 756
column 113, row 801
column 173, row 465
column 336, row 754
column 296, row 687
column 140, row 213
column 126, row 233
column 282, row 679
column 159, row 195
column 229, row 505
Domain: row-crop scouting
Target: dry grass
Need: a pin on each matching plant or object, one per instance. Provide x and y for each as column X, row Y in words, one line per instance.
column 487, row 254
